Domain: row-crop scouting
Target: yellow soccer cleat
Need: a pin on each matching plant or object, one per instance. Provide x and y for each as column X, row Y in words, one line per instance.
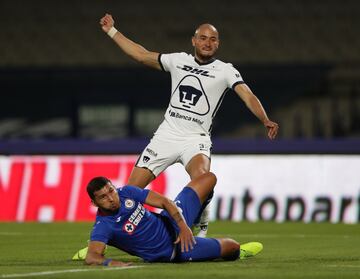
column 250, row 249
column 80, row 255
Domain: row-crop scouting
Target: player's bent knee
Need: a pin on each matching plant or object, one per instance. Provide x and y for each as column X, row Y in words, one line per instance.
column 207, row 179
column 210, row 178
column 195, row 173
column 198, row 165
column 203, row 185
column 214, row 178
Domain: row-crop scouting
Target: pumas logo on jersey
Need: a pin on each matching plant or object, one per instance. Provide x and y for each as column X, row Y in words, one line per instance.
column 146, row 159
column 129, row 203
column 190, row 96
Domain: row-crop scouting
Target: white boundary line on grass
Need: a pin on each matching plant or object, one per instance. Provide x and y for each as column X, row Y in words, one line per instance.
column 290, row 235
column 42, row 273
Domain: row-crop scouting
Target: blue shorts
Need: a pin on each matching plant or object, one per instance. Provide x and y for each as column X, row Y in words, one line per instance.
column 205, row 249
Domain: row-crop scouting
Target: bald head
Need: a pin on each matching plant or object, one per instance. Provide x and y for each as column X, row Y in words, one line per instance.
column 205, row 42
column 206, row 27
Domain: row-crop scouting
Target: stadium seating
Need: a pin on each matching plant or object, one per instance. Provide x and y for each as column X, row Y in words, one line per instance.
column 67, row 33
column 63, row 39
column 331, row 114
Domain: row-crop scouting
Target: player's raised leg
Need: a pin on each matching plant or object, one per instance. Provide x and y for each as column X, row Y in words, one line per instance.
column 140, row 177
column 203, row 185
column 197, row 166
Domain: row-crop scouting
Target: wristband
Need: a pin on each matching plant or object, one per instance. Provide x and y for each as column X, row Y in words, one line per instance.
column 112, row 32
column 106, row 262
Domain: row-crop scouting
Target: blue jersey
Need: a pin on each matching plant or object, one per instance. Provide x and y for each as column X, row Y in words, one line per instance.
column 134, row 229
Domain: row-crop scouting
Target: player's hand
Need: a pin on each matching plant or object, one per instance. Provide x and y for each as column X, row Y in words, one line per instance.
column 107, row 22
column 272, row 128
column 119, row 263
column 186, row 239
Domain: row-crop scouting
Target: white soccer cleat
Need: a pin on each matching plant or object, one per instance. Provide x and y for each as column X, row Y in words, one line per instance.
column 201, row 229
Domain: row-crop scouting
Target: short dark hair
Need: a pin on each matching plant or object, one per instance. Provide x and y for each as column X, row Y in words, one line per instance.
column 96, row 184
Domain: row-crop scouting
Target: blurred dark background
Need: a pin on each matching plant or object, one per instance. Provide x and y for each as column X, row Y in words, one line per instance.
column 62, row 77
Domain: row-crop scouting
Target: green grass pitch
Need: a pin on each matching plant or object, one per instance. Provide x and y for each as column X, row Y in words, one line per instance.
column 291, row 250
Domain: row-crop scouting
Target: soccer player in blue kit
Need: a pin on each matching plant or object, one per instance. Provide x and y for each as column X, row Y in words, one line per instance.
column 123, row 222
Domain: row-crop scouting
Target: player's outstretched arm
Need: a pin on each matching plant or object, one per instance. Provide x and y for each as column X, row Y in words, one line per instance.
column 253, row 103
column 134, row 50
column 95, row 255
column 186, row 238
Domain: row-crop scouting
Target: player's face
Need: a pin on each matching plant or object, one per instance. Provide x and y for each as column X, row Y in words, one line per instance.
column 206, row 43
column 107, row 198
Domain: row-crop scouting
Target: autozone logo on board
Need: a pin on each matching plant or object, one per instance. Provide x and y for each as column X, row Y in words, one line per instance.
column 53, row 188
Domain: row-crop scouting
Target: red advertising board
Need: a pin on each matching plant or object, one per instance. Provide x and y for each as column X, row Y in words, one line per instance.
column 53, row 188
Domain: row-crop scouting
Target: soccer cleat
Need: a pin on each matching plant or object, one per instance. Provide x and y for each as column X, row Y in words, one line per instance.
column 250, row 249
column 201, row 228
column 80, row 255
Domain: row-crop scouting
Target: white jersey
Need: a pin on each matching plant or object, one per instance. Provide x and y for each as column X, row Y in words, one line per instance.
column 197, row 92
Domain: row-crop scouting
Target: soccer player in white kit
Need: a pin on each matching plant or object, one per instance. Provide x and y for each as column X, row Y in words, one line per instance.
column 199, row 84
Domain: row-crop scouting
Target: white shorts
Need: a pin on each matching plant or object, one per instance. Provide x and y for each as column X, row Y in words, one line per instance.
column 163, row 152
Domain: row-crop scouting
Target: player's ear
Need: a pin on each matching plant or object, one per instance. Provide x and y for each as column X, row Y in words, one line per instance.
column 193, row 41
